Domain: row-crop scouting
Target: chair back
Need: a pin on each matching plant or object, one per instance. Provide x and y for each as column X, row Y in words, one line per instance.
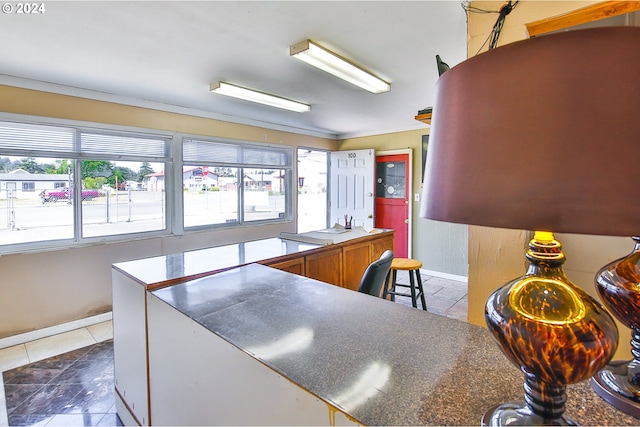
column 375, row 275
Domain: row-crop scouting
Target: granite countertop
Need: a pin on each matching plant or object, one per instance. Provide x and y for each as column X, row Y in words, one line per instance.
column 154, row 272
column 164, row 269
column 380, row 362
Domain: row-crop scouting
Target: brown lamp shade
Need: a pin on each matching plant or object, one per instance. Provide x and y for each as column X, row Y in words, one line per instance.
column 542, row 134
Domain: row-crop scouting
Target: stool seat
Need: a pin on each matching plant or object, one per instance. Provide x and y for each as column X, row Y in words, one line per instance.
column 415, row 285
column 405, row 264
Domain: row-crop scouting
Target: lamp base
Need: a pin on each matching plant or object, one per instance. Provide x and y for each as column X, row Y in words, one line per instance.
column 611, row 384
column 518, row 413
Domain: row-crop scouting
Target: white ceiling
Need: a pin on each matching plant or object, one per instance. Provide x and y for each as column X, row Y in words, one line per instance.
column 165, row 54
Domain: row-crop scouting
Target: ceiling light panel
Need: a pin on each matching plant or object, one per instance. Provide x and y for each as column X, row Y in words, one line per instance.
column 328, row 61
column 228, row 89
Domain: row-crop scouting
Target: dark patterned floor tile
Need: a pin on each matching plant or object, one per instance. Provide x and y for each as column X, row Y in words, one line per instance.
column 99, row 398
column 50, row 400
column 110, row 420
column 17, row 394
column 72, row 420
column 30, row 374
column 87, row 372
column 71, row 389
column 65, row 359
column 100, row 351
column 29, row 420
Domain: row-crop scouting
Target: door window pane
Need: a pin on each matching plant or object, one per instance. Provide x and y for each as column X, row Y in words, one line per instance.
column 390, row 180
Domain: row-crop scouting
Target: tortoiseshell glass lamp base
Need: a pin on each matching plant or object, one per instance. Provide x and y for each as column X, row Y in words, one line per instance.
column 613, row 385
column 618, row 284
column 552, row 330
column 547, row 400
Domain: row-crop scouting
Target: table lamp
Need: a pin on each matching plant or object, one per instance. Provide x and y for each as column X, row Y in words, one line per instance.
column 618, row 284
column 542, row 135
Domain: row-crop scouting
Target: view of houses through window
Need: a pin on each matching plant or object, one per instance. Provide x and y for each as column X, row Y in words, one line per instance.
column 230, row 183
column 212, row 194
column 37, row 205
column 65, row 183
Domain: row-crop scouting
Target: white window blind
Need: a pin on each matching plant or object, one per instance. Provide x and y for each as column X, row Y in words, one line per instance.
column 29, row 138
column 196, row 151
column 24, row 137
column 230, row 154
column 123, row 145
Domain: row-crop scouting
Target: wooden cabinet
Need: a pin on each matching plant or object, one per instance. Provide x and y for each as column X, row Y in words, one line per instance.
column 341, row 264
column 378, row 246
column 356, row 259
column 295, row 266
column 325, row 266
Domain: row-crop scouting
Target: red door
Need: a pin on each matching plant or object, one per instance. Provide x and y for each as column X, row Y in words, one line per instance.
column 392, row 199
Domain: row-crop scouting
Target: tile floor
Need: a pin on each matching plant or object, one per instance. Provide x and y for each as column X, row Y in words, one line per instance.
column 62, row 380
column 443, row 296
column 67, row 379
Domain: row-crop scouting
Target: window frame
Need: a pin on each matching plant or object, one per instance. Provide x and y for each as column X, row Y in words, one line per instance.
column 76, row 155
column 173, row 194
column 242, row 146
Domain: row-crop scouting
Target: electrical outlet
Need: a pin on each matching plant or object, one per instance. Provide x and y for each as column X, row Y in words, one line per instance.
column 416, row 197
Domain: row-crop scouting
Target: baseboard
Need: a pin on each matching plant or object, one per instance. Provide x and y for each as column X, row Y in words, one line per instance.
column 54, row 330
column 455, row 277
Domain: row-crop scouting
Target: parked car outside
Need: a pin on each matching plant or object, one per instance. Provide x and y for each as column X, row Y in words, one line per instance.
column 52, row 196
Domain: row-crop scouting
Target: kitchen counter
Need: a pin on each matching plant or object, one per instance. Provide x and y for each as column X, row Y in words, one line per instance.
column 366, row 359
column 341, row 264
column 164, row 270
column 167, row 269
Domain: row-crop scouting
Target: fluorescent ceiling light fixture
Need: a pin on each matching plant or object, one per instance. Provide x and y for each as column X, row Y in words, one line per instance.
column 260, row 97
column 320, row 57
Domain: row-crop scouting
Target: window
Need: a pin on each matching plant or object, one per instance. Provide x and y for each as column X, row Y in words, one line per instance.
column 124, row 200
column 264, row 194
column 78, row 184
column 231, row 182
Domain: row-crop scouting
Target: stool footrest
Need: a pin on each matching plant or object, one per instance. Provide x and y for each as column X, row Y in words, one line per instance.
column 417, row 291
column 399, row 294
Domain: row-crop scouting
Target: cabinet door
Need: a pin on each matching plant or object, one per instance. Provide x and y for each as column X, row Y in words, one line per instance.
column 378, row 246
column 356, row 259
column 325, row 266
column 295, row 266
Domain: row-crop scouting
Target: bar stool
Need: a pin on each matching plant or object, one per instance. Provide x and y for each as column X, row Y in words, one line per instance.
column 413, row 267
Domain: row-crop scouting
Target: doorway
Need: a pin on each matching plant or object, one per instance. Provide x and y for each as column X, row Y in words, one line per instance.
column 393, row 198
column 312, row 183
column 352, row 188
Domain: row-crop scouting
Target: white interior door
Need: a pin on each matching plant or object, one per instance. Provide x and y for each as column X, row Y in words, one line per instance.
column 352, row 179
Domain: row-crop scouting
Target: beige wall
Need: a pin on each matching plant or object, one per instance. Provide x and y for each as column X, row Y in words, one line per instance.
column 441, row 247
column 497, row 256
column 47, row 288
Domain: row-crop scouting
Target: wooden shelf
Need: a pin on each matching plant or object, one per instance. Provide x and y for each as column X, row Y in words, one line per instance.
column 587, row 14
column 424, row 118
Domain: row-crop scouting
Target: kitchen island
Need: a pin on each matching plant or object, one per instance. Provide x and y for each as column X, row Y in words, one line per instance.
column 341, row 264
column 256, row 345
